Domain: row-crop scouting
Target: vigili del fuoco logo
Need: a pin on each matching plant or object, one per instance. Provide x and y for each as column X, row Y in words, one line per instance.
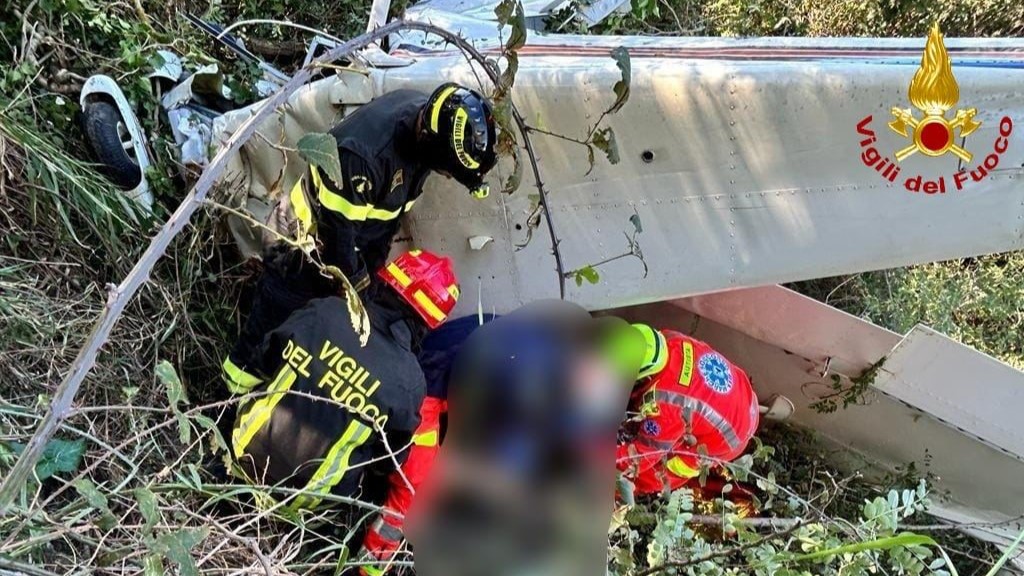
column 934, row 92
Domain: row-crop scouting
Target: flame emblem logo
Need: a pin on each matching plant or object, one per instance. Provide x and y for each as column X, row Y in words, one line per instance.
column 934, row 92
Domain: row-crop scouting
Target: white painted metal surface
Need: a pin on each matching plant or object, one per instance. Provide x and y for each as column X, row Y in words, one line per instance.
column 755, row 173
column 756, row 176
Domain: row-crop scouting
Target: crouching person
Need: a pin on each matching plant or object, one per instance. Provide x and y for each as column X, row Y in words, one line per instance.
column 690, row 406
column 322, row 411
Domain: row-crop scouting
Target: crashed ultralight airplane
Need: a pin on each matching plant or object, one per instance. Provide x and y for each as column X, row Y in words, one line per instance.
column 749, row 163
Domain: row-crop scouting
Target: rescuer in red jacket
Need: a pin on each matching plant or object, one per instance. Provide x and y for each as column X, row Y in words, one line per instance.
column 690, row 403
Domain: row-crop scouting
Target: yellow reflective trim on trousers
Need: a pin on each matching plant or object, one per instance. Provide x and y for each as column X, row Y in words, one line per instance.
column 435, row 112
column 399, row 275
column 676, row 466
column 429, row 306
column 260, row 410
column 239, row 381
column 425, row 438
column 334, row 466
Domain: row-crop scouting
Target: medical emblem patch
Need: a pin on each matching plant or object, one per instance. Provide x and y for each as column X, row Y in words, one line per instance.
column 651, row 427
column 715, row 370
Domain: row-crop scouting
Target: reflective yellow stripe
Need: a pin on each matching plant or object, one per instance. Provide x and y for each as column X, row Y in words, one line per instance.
column 395, row 271
column 454, row 291
column 239, row 381
column 260, row 410
column 408, row 205
column 429, row 306
column 303, row 213
column 676, row 466
column 354, row 212
column 435, row 112
column 415, row 252
column 425, row 439
column 686, row 374
column 334, row 466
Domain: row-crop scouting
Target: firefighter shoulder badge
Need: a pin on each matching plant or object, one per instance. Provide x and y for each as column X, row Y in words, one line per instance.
column 934, row 92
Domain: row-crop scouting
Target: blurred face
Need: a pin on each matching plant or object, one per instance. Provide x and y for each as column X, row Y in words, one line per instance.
column 525, row 491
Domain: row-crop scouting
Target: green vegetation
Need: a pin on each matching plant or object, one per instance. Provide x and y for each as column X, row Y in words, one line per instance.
column 976, row 301
column 126, row 488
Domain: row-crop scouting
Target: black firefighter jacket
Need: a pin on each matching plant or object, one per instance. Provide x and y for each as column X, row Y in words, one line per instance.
column 319, row 412
column 382, row 176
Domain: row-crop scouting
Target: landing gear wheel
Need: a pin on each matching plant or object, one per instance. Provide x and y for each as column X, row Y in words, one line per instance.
column 111, row 142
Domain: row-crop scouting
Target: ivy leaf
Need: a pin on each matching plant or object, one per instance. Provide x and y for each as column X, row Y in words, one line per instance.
column 177, row 546
column 321, row 150
column 219, row 443
column 622, row 87
column 169, row 378
column 59, row 456
column 147, row 507
column 635, row 220
column 92, row 495
column 604, row 140
column 175, row 395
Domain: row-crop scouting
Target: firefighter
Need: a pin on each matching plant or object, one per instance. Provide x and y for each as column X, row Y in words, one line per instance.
column 387, row 148
column 690, row 405
column 325, row 409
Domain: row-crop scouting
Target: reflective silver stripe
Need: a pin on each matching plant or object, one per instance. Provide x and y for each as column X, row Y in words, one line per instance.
column 689, row 405
column 387, row 531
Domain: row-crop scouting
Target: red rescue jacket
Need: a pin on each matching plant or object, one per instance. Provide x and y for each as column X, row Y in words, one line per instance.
column 699, row 394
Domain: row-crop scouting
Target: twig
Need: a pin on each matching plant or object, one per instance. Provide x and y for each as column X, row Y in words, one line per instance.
column 15, row 568
column 524, row 129
column 249, row 543
column 721, row 553
column 773, row 523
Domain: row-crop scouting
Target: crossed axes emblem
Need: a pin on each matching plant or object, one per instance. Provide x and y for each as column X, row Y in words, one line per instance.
column 903, row 119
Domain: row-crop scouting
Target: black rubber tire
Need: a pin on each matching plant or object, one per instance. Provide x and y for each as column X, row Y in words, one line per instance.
column 101, row 119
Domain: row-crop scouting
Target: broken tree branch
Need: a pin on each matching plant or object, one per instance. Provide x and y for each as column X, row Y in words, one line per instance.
column 119, row 296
